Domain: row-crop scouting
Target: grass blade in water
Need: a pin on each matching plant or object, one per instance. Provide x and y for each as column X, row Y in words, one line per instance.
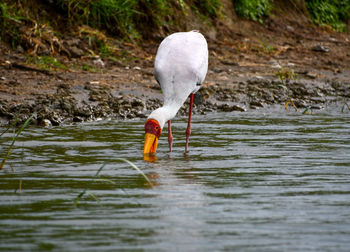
column 14, row 140
column 80, row 195
column 137, row 169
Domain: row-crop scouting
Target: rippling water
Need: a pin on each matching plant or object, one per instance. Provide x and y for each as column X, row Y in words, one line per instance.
column 254, row 181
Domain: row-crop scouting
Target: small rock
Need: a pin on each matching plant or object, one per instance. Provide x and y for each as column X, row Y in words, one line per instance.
column 78, row 119
column 76, row 52
column 300, row 103
column 46, row 123
column 317, row 106
column 311, row 75
column 275, row 65
column 320, row 48
column 73, row 42
column 256, row 104
column 138, row 103
column 229, row 63
column 20, row 49
column 99, row 62
column 137, row 68
column 238, row 108
column 83, row 112
column 289, row 28
column 228, row 108
column 256, row 79
column 217, row 70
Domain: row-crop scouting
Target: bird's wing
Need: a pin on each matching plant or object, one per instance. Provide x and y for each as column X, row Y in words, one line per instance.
column 181, row 64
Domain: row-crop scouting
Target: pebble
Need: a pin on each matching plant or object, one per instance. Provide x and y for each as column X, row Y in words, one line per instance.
column 256, row 104
column 311, row 75
column 289, row 28
column 76, row 52
column 99, row 62
column 275, row 65
column 46, row 123
column 320, row 48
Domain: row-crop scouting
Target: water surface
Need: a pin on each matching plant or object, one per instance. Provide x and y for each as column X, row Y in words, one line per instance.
column 254, row 181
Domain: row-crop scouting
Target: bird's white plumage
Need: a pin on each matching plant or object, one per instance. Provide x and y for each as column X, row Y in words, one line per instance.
column 180, row 67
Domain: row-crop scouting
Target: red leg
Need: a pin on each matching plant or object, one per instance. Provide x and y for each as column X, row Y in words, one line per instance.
column 188, row 131
column 170, row 137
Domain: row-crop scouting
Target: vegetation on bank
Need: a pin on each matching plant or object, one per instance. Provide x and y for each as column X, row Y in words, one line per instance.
column 333, row 13
column 134, row 19
column 253, row 9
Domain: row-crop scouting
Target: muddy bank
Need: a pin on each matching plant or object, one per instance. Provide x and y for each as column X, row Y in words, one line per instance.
column 250, row 66
column 131, row 92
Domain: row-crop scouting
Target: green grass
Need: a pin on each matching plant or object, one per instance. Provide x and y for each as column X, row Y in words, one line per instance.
column 45, row 62
column 97, row 178
column 14, row 140
column 345, row 105
column 131, row 18
column 89, row 68
column 134, row 20
column 253, row 9
column 307, row 111
column 10, row 22
column 117, row 16
column 210, row 8
column 286, row 74
column 334, row 13
column 283, row 75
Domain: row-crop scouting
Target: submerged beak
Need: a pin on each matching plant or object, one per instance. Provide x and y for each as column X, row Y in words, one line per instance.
column 151, row 142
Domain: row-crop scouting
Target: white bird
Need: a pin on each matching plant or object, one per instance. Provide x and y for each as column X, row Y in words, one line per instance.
column 180, row 67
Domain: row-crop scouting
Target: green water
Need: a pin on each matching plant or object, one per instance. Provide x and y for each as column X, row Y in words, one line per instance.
column 254, row 181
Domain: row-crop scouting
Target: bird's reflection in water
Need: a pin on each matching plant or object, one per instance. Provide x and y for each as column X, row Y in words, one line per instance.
column 165, row 168
column 153, row 176
column 187, row 156
column 150, row 158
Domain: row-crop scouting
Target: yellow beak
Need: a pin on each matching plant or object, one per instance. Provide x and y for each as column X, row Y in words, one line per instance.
column 151, row 142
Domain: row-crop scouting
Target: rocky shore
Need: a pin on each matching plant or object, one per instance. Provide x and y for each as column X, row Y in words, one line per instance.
column 64, row 98
column 307, row 69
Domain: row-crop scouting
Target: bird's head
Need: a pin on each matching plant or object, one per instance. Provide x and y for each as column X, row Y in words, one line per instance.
column 152, row 130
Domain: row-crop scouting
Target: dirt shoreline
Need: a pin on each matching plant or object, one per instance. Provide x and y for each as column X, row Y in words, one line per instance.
column 310, row 68
column 80, row 97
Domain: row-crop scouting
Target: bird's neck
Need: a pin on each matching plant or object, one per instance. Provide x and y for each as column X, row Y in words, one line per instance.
column 165, row 113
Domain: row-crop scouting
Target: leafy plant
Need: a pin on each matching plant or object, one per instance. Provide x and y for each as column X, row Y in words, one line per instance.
column 115, row 15
column 10, row 22
column 209, row 7
column 330, row 12
column 286, row 74
column 253, row 9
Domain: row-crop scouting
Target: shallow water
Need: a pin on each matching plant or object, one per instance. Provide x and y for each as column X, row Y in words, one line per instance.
column 254, row 181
